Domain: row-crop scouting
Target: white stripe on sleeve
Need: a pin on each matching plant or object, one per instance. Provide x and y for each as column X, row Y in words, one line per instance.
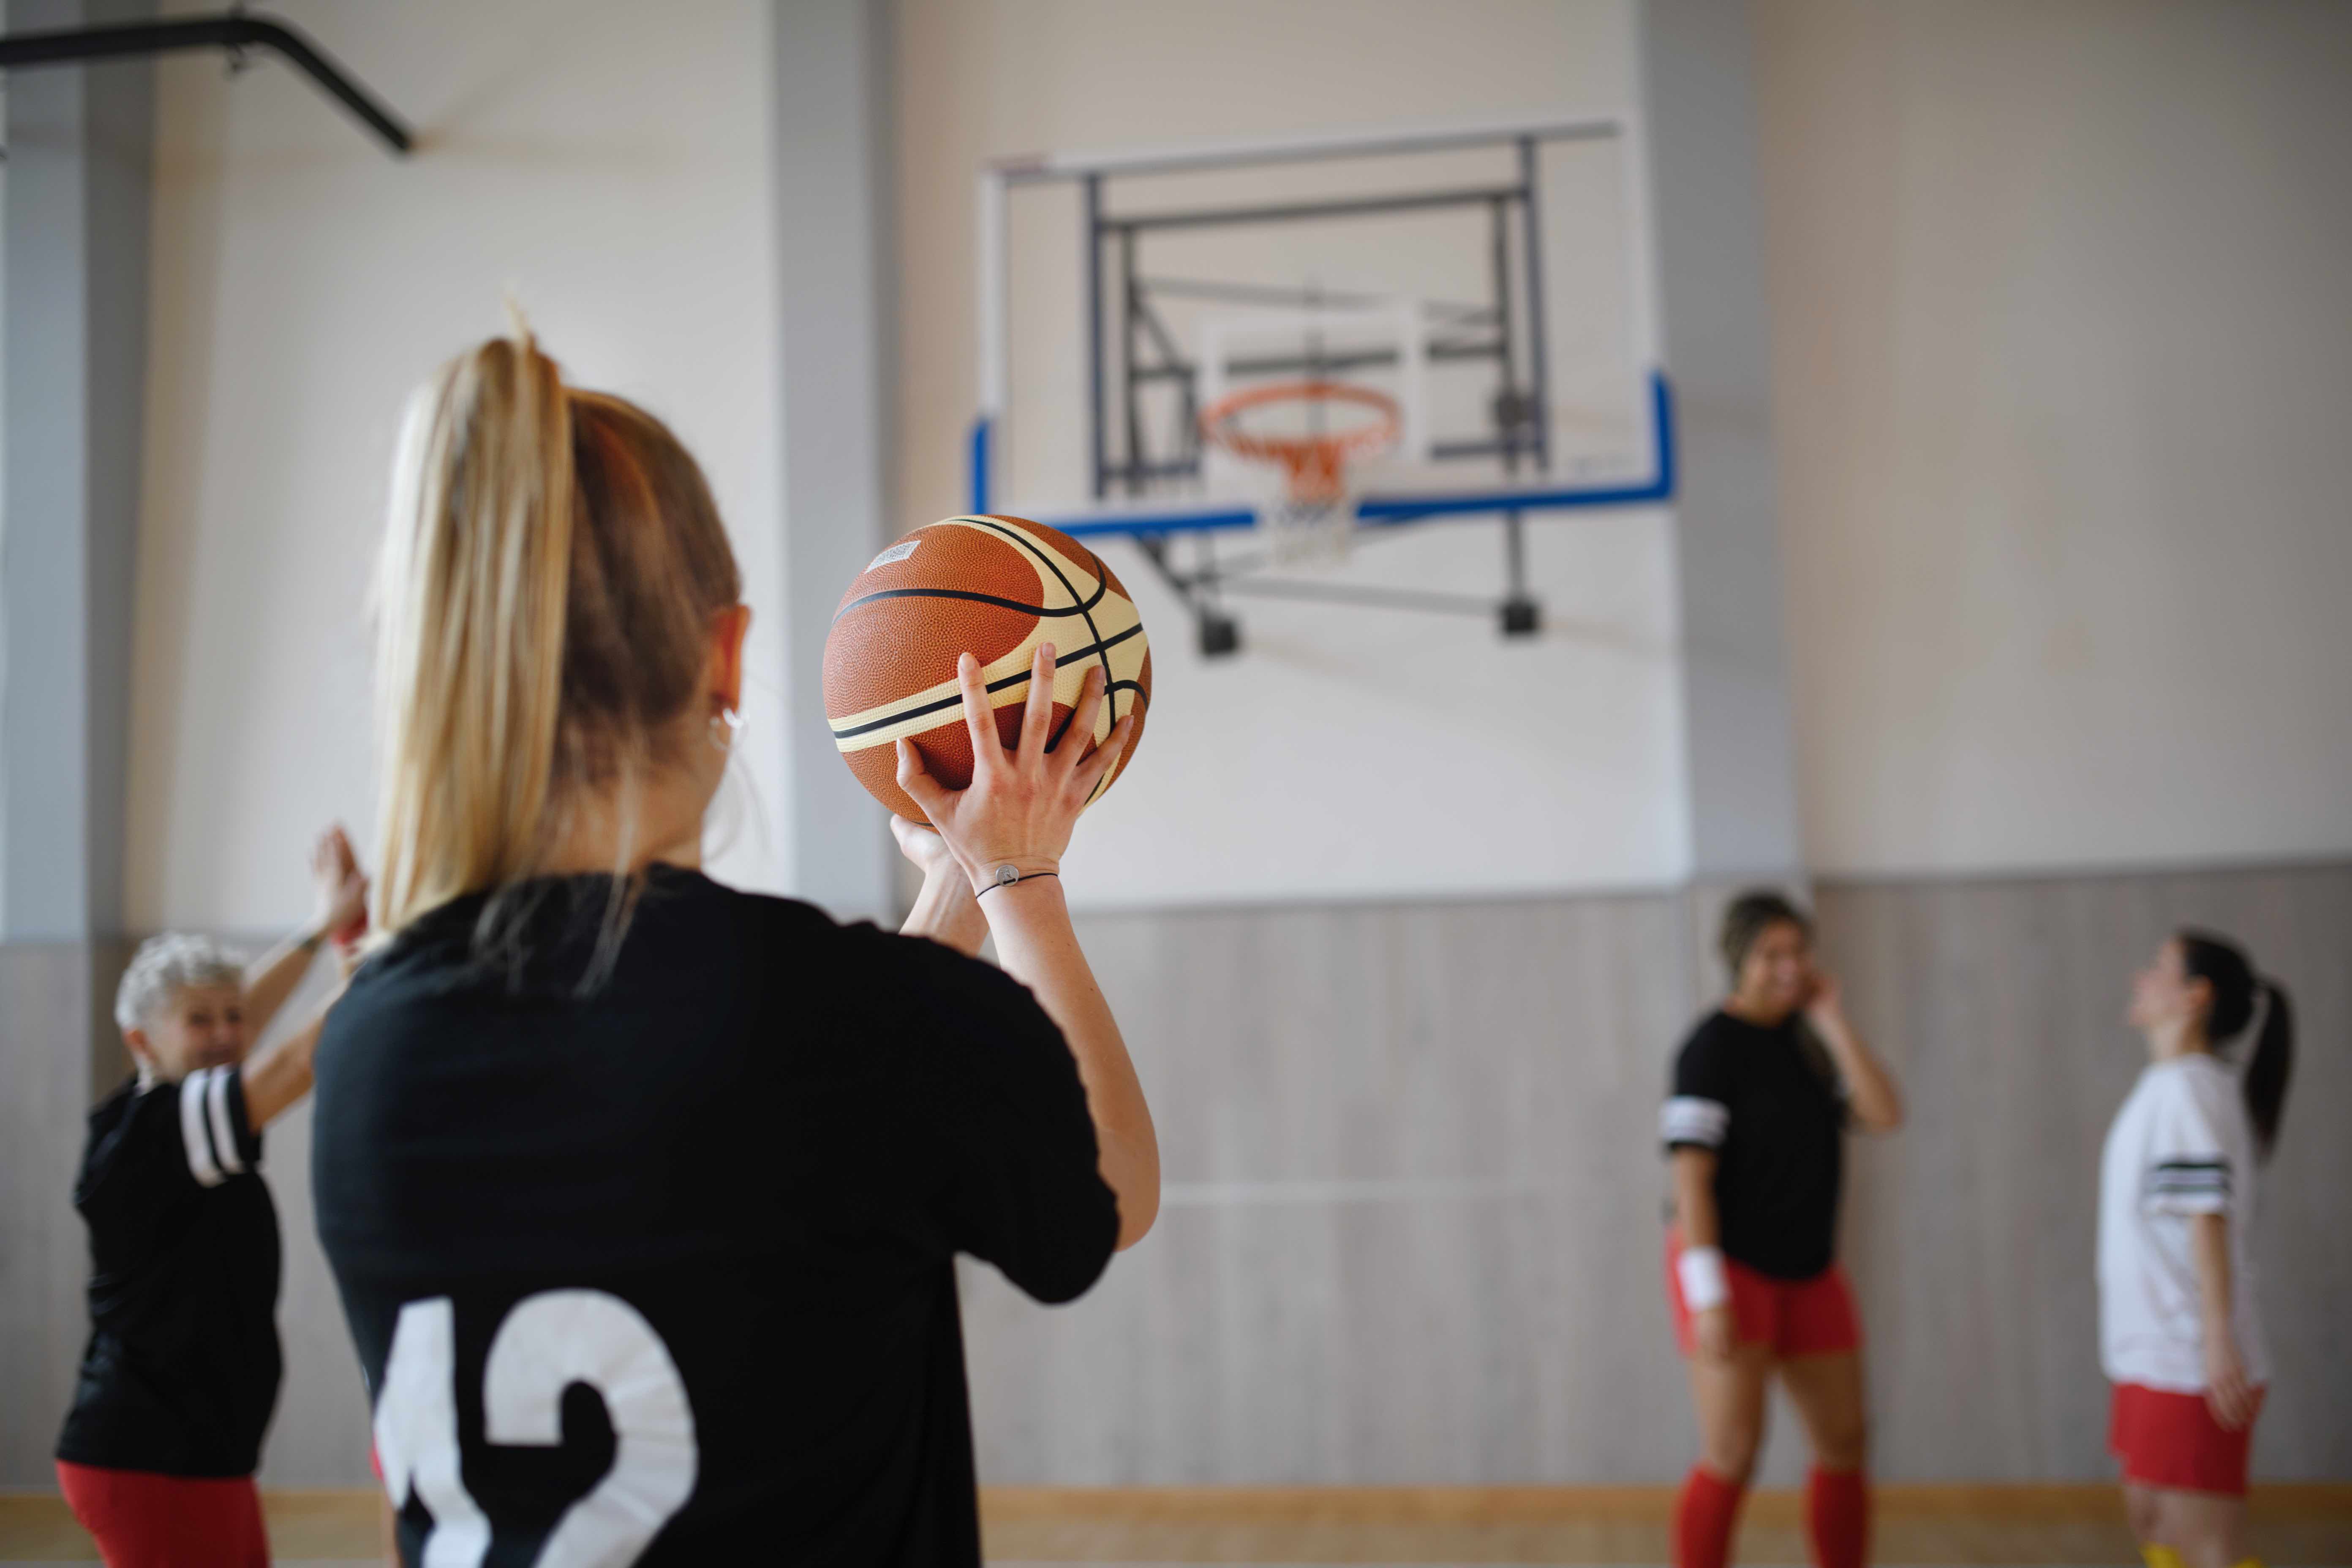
column 1687, row 1118
column 191, row 1130
column 224, row 1136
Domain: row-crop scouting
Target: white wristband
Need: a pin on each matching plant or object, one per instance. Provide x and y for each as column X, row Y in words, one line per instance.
column 1704, row 1283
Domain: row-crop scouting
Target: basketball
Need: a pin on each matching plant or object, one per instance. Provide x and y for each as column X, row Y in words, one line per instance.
column 994, row 587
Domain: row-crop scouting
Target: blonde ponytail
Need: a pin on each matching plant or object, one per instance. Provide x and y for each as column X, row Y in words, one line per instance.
column 473, row 587
column 552, row 564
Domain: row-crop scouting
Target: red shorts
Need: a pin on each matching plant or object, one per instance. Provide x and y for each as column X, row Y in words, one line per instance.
column 2171, row 1440
column 141, row 1520
column 1795, row 1317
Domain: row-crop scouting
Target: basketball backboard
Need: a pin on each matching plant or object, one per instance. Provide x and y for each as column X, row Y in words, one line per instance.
column 1491, row 282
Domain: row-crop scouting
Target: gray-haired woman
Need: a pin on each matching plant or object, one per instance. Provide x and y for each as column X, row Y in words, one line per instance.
column 181, row 1373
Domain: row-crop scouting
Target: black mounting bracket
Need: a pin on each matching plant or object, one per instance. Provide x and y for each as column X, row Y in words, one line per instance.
column 1202, row 587
column 235, row 31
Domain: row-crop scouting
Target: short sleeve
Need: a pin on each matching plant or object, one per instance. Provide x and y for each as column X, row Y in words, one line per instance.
column 1019, row 1179
column 171, row 1139
column 1698, row 1113
column 2186, row 1164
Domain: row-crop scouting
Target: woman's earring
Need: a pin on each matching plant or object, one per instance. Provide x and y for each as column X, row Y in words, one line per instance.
column 726, row 729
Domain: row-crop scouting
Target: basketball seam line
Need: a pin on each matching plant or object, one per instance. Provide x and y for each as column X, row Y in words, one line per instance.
column 1102, row 586
column 880, row 594
column 1015, row 678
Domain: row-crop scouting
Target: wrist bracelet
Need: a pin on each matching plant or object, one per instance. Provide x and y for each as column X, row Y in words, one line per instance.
column 1704, row 1279
column 1006, row 875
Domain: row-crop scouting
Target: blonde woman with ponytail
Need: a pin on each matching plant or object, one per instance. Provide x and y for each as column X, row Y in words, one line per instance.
column 642, row 1194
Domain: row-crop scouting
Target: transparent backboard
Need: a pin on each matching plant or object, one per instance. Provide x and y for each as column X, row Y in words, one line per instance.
column 1493, row 282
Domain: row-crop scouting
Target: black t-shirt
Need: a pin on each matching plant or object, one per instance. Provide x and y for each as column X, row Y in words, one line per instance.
column 1768, row 1104
column 182, row 1368
column 664, row 1268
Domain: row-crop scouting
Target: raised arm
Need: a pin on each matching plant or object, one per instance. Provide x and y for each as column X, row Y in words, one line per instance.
column 1038, row 947
column 1870, row 1089
column 280, row 1076
column 341, row 899
column 1018, row 813
column 272, row 977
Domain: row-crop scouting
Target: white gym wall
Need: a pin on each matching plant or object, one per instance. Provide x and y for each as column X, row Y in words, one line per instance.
column 2063, row 544
column 2062, row 308
column 606, row 162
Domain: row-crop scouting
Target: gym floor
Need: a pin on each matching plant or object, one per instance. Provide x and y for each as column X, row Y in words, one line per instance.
column 2293, row 1525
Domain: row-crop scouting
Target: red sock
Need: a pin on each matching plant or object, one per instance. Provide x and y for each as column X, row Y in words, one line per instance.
column 1703, row 1516
column 1837, row 1515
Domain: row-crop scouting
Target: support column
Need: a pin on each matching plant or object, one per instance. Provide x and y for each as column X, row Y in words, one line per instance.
column 833, row 263
column 1699, row 90
column 74, row 235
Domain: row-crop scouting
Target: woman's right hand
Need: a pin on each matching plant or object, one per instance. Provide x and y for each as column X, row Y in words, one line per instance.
column 1020, row 809
column 1023, row 803
column 1714, row 1332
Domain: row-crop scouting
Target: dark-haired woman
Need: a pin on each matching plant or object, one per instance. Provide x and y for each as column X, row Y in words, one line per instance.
column 1762, row 1093
column 642, row 1194
column 2179, row 1335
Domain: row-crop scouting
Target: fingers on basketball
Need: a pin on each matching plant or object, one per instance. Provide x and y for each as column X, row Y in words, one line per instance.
column 1038, row 712
column 925, row 793
column 1091, row 686
column 980, row 718
column 1100, row 762
column 994, row 587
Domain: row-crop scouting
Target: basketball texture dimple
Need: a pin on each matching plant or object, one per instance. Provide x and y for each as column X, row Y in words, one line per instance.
column 994, row 587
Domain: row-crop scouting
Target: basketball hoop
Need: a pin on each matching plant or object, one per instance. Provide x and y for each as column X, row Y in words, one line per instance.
column 1316, row 514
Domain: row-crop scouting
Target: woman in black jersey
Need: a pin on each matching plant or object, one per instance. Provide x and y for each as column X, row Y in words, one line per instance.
column 642, row 1194
column 1762, row 1093
column 181, row 1372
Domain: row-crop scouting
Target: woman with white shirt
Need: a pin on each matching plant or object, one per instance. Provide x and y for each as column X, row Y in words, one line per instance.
column 2179, row 1334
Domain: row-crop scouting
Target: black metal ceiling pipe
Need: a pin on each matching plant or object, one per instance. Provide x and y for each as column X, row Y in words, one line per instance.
column 232, row 30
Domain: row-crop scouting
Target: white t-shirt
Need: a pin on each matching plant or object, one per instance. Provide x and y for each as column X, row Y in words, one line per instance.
column 2181, row 1145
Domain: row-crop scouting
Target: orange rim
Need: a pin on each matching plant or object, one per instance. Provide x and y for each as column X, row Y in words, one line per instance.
column 1315, row 464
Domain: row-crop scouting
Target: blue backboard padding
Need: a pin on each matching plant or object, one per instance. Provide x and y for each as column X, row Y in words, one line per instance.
column 1383, row 511
column 980, row 468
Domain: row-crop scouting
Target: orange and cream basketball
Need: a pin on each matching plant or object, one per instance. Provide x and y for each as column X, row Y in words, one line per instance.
column 995, row 587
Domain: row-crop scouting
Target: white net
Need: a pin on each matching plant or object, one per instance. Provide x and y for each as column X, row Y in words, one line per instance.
column 1302, row 437
column 1310, row 531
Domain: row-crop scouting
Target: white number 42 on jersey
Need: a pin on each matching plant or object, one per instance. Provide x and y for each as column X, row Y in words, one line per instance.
column 548, row 1343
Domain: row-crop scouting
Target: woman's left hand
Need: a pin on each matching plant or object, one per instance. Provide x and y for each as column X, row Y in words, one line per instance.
column 924, row 848
column 946, row 910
